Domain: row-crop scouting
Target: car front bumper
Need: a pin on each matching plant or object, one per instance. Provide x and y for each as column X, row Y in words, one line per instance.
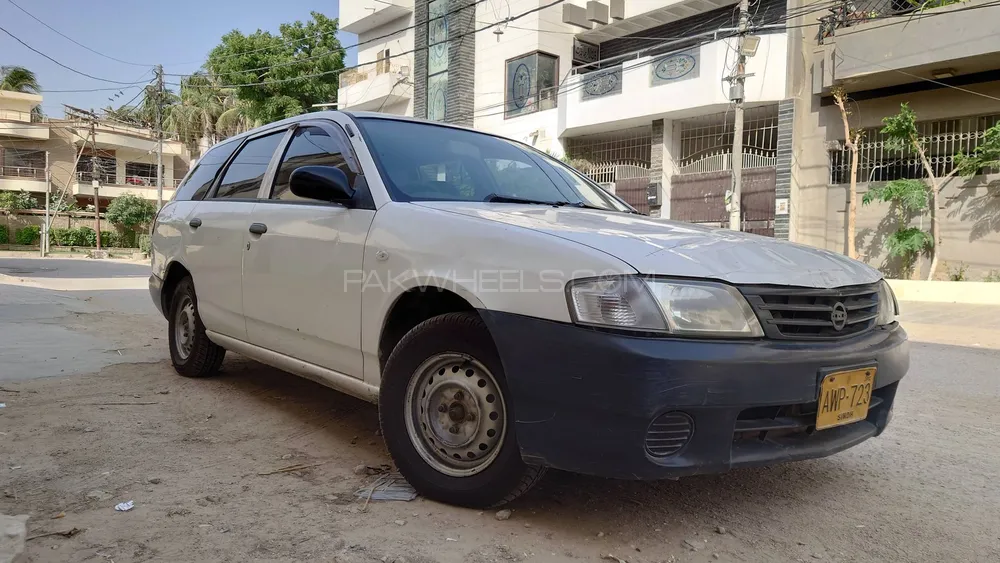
column 584, row 399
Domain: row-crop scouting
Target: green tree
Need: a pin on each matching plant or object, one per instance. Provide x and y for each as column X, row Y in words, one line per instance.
column 914, row 195
column 276, row 63
column 19, row 79
column 128, row 213
column 206, row 113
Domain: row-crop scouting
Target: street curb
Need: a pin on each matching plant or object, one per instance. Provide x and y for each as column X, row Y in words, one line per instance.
column 968, row 292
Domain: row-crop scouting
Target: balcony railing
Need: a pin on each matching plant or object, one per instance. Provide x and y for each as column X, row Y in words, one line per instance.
column 126, row 181
column 358, row 75
column 22, row 172
column 880, row 161
column 849, row 13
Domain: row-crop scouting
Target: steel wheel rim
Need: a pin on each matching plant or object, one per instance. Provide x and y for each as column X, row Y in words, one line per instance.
column 455, row 414
column 184, row 327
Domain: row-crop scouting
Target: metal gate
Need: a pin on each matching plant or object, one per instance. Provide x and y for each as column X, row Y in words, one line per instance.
column 629, row 181
column 700, row 198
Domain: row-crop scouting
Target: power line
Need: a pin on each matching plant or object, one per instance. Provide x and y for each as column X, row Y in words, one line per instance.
column 559, row 89
column 91, row 89
column 74, row 41
column 912, row 17
column 326, row 54
column 345, row 69
column 69, row 68
column 938, row 82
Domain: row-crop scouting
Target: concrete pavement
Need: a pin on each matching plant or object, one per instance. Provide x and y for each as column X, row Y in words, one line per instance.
column 72, row 316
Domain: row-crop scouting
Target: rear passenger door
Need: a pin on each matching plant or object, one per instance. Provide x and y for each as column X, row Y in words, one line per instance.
column 295, row 296
column 217, row 231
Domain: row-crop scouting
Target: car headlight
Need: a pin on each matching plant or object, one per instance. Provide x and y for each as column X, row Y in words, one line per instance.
column 687, row 308
column 888, row 308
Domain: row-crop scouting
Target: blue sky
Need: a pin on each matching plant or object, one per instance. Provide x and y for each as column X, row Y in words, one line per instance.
column 177, row 34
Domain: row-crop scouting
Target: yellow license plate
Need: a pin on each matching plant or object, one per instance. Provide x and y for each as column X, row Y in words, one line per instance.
column 844, row 397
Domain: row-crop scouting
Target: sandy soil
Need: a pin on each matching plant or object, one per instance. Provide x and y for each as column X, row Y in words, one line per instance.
column 191, row 454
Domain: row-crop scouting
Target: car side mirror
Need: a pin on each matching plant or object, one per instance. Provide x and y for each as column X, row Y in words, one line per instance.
column 323, row 183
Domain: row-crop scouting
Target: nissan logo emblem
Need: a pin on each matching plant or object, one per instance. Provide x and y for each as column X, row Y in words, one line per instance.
column 838, row 316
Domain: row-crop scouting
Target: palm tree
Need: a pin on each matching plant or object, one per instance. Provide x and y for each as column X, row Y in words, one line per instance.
column 19, row 79
column 206, row 113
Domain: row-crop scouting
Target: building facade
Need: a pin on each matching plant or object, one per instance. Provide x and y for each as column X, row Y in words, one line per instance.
column 944, row 62
column 119, row 157
column 635, row 93
column 632, row 91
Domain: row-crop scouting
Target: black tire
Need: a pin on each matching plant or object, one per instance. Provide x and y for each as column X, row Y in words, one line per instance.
column 507, row 476
column 205, row 356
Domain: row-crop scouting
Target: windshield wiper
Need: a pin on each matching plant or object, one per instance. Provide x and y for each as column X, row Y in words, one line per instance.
column 497, row 198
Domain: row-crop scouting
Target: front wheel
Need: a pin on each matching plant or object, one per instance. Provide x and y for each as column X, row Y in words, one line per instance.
column 446, row 415
column 191, row 352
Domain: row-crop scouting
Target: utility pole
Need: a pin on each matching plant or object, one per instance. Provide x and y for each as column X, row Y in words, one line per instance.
column 95, row 168
column 159, row 136
column 44, row 243
column 736, row 89
column 73, row 176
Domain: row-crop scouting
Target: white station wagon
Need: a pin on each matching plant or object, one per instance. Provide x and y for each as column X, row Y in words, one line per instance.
column 508, row 315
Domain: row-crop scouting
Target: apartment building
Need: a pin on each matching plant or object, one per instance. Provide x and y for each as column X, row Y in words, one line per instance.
column 632, row 90
column 384, row 82
column 945, row 63
column 119, row 158
column 635, row 91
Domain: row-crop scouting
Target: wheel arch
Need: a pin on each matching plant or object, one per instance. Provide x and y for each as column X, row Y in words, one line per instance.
column 174, row 273
column 414, row 306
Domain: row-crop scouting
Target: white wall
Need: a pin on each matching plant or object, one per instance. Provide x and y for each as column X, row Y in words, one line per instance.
column 639, row 102
column 540, row 128
column 399, row 42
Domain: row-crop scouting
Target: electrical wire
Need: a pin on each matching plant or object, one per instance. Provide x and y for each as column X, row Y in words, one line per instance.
column 559, row 89
column 328, row 53
column 345, row 69
column 91, row 89
column 69, row 68
column 938, row 82
column 74, row 41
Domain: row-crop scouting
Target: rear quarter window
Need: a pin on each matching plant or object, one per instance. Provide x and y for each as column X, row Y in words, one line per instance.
column 200, row 180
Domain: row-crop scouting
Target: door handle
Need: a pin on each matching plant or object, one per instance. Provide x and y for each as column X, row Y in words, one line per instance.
column 195, row 223
column 258, row 228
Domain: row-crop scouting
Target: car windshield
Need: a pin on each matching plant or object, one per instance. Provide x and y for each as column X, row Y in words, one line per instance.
column 425, row 162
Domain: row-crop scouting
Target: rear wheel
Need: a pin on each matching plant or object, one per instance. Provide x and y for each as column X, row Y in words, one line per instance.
column 446, row 415
column 191, row 352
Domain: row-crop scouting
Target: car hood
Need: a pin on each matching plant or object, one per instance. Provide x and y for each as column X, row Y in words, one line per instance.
column 671, row 248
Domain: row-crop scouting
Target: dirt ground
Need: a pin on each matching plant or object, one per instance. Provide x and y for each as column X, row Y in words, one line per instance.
column 196, row 458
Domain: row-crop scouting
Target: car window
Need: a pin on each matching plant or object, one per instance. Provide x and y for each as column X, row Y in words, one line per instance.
column 510, row 175
column 197, row 184
column 310, row 146
column 425, row 162
column 447, row 177
column 243, row 177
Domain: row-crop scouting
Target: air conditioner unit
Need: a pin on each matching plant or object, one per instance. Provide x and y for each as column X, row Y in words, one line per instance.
column 608, row 186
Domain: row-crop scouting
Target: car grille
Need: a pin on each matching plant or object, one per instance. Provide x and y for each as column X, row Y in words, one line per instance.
column 800, row 313
column 669, row 433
